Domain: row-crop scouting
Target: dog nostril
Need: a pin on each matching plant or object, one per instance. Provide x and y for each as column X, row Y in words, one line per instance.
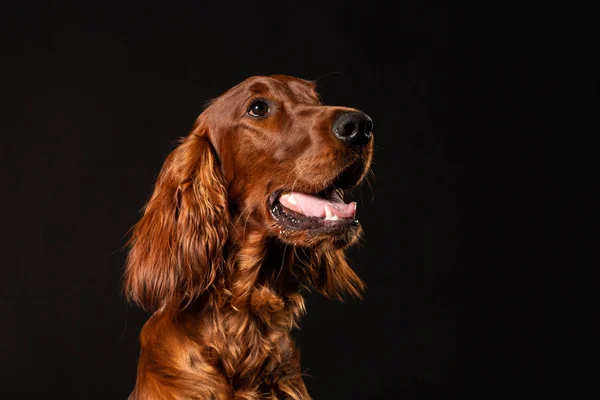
column 368, row 127
column 347, row 129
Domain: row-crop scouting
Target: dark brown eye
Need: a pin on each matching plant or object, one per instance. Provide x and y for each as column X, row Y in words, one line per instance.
column 259, row 108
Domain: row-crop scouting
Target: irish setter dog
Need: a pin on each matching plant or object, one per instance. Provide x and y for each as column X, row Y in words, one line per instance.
column 247, row 212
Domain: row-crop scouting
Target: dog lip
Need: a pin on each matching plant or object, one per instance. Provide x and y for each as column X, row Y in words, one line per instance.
column 274, row 196
column 288, row 219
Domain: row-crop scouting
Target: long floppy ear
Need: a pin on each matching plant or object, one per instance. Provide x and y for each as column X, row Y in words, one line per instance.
column 177, row 246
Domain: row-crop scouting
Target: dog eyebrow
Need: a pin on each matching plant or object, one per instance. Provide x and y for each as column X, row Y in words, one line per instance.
column 258, row 88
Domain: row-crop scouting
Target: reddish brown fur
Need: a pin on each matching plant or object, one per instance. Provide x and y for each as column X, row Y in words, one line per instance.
column 221, row 276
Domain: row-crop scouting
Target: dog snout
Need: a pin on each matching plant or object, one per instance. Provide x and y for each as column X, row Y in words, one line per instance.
column 353, row 128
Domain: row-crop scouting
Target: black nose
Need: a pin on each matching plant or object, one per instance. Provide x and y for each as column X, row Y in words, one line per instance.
column 354, row 128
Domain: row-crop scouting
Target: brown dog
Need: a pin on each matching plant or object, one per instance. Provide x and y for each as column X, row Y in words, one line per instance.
column 246, row 211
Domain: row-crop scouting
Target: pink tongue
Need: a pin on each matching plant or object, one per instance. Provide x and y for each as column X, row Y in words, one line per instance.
column 312, row 206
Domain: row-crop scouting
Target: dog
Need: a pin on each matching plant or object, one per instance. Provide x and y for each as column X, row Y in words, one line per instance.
column 246, row 213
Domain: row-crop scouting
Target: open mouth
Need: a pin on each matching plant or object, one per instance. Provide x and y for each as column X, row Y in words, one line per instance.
column 323, row 212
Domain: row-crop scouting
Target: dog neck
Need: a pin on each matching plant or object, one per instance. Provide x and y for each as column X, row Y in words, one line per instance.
column 246, row 327
column 263, row 283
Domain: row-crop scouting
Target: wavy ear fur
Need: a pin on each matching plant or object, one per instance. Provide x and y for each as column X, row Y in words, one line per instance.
column 177, row 246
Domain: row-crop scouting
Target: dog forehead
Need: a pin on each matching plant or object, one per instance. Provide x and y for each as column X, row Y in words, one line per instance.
column 284, row 86
column 295, row 83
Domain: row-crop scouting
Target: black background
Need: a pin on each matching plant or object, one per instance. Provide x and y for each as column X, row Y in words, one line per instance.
column 474, row 251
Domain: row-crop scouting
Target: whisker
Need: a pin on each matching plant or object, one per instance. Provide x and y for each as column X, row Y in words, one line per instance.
column 327, row 74
column 282, row 262
column 241, row 214
column 289, row 173
column 245, row 224
column 298, row 176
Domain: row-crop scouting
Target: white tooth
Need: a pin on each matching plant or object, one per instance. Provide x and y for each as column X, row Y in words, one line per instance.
column 288, row 197
column 328, row 213
column 335, row 218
